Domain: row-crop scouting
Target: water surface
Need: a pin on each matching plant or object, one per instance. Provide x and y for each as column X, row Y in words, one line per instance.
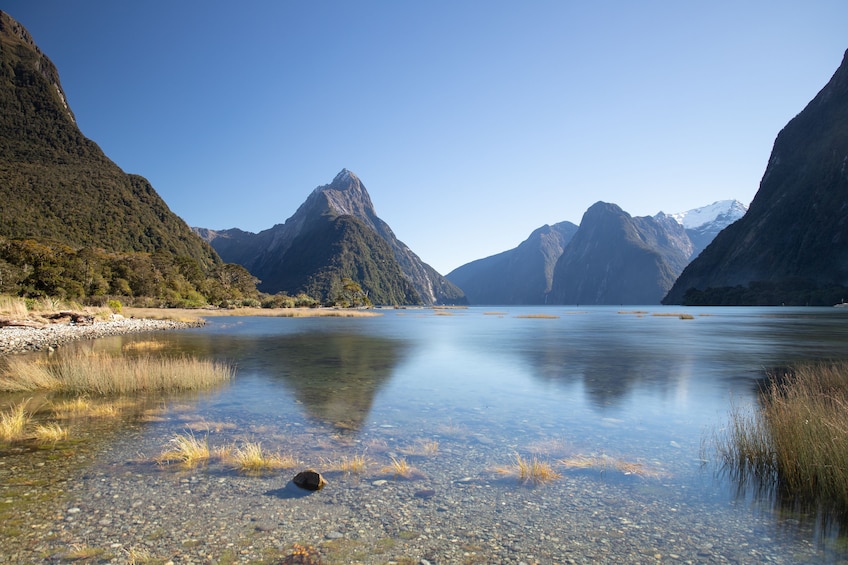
column 638, row 387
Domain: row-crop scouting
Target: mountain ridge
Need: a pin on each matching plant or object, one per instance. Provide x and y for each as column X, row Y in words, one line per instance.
column 269, row 253
column 791, row 247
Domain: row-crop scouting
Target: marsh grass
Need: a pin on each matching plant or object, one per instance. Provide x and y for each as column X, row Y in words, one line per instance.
column 682, row 316
column 13, row 422
column 796, row 438
column 538, row 316
column 103, row 374
column 355, row 464
column 252, row 458
column 13, row 307
column 400, row 467
column 196, row 316
column 50, row 433
column 185, row 449
column 533, row 471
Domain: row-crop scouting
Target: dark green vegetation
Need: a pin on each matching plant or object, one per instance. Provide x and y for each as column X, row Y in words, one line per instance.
column 335, row 235
column 321, row 258
column 72, row 223
column 793, row 242
column 795, row 441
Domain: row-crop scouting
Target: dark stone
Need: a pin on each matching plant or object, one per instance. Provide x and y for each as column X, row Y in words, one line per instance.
column 309, row 480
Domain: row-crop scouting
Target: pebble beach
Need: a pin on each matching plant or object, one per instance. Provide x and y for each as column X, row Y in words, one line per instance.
column 21, row 339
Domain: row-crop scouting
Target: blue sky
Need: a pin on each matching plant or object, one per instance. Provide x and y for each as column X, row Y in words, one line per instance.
column 470, row 123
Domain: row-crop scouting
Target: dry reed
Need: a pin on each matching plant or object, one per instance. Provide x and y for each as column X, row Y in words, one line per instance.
column 533, row 470
column 185, row 449
column 250, row 457
column 796, row 438
column 104, row 374
column 50, row 433
column 13, row 422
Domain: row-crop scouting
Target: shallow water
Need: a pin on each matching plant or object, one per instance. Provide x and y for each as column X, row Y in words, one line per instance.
column 613, row 386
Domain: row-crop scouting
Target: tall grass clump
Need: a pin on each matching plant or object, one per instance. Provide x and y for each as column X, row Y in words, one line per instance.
column 534, row 470
column 13, row 422
column 186, row 449
column 252, row 458
column 103, row 374
column 13, row 306
column 797, row 436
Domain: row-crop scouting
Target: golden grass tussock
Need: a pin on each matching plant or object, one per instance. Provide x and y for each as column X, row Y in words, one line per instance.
column 251, row 457
column 533, row 471
column 635, row 312
column 494, row 313
column 103, row 374
column 796, row 437
column 355, row 464
column 681, row 315
column 538, row 316
column 400, row 467
column 186, row 449
column 13, row 422
column 13, row 307
column 50, row 433
column 195, row 316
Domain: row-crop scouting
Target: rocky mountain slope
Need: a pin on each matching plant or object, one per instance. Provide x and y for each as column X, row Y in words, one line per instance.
column 703, row 224
column 522, row 275
column 615, row 258
column 335, row 234
column 72, row 223
column 792, row 245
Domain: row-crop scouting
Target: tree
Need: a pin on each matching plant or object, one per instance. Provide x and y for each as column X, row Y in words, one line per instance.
column 351, row 295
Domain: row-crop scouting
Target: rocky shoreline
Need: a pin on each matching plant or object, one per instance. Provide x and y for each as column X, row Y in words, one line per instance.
column 25, row 338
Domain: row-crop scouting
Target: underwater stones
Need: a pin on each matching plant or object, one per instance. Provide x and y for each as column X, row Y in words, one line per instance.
column 309, row 480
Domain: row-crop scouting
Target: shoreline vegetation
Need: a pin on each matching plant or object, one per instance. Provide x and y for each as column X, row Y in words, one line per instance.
column 794, row 441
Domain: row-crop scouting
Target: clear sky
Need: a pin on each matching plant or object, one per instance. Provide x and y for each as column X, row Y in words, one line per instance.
column 471, row 123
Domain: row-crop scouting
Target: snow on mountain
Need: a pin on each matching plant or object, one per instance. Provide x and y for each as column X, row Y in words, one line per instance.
column 722, row 213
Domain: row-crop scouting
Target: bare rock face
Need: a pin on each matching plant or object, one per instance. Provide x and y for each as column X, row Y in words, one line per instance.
column 309, row 480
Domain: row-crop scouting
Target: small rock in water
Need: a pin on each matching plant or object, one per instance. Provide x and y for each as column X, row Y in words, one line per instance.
column 426, row 493
column 309, row 480
column 379, row 482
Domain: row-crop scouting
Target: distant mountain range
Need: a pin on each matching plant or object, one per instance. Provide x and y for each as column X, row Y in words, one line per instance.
column 611, row 258
column 792, row 245
column 73, row 224
column 335, row 234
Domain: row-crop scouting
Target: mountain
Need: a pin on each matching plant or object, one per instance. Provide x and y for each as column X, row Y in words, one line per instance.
column 55, row 184
column 522, row 275
column 704, row 223
column 791, row 247
column 335, row 234
column 72, row 223
column 618, row 259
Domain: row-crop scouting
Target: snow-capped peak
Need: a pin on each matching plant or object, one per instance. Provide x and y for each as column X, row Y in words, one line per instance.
column 723, row 212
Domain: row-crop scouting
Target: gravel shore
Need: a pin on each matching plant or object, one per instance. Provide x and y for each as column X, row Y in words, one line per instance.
column 20, row 339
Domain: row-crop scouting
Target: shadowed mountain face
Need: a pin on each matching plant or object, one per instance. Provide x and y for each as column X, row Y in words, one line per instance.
column 618, row 259
column 792, row 245
column 335, row 234
column 56, row 185
column 523, row 275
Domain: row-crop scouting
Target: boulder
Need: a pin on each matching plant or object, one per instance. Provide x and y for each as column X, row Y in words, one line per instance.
column 309, row 480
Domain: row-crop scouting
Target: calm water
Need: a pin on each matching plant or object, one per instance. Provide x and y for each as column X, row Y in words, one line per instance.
column 611, row 384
